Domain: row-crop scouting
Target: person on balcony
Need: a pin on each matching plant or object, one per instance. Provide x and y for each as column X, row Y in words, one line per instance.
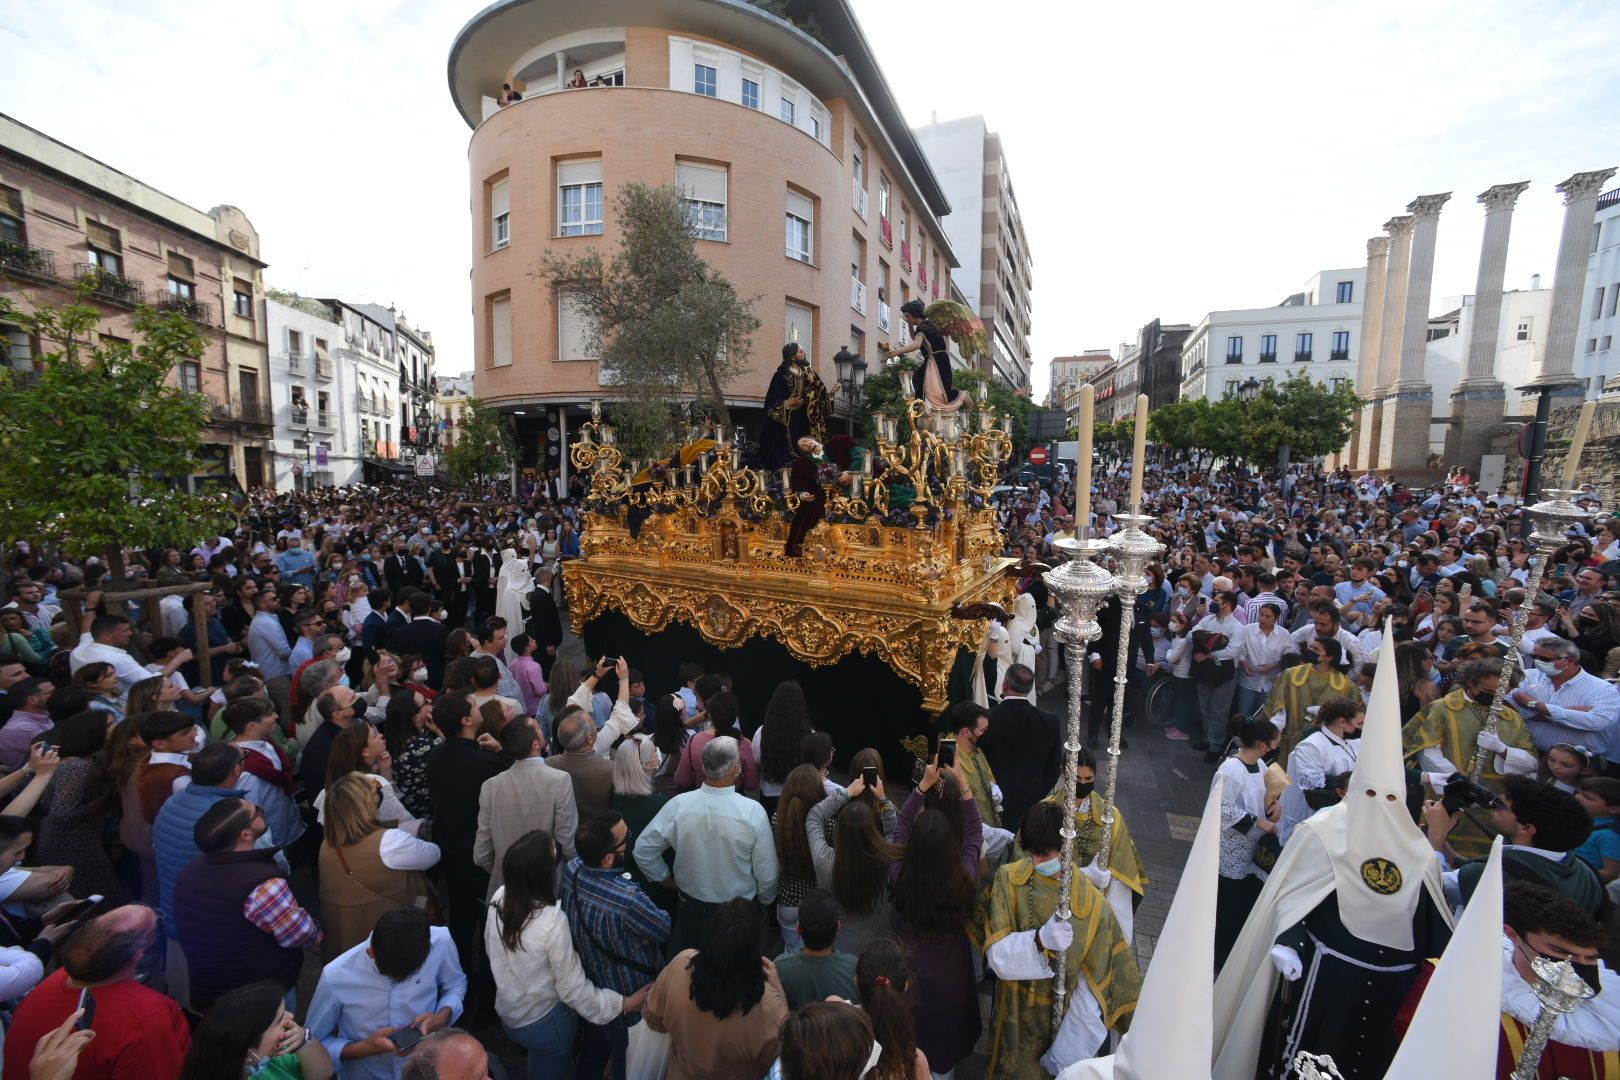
column 578, row 81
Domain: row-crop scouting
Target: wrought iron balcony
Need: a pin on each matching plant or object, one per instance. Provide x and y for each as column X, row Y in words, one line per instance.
column 1268, row 358
column 110, row 286
column 26, row 261
column 249, row 412
column 1302, row 356
column 1339, row 354
column 197, row 311
column 295, row 361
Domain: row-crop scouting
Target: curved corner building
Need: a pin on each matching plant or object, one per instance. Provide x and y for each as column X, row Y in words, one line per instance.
column 805, row 182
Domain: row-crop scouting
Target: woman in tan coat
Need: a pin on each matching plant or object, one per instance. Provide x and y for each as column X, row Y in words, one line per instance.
column 722, row 1005
column 367, row 869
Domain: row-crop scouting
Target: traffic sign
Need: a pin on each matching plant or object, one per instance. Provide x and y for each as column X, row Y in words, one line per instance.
column 1037, row 455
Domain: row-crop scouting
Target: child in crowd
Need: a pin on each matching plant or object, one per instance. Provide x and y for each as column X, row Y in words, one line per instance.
column 1600, row 795
column 1566, row 765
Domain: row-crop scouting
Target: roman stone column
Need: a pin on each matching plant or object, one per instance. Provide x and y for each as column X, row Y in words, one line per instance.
column 1389, row 334
column 1478, row 402
column 1557, row 383
column 1372, row 319
column 1410, row 401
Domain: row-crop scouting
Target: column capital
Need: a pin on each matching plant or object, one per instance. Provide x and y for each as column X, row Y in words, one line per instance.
column 1400, row 226
column 1502, row 196
column 1427, row 206
column 1377, row 247
column 1584, row 185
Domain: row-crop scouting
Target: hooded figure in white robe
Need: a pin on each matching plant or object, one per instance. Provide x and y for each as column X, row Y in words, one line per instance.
column 1025, row 635
column 512, row 589
column 1349, row 912
column 990, row 669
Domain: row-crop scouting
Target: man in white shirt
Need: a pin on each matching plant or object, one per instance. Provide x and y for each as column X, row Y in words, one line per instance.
column 1562, row 703
column 103, row 638
column 1541, row 612
column 1325, row 624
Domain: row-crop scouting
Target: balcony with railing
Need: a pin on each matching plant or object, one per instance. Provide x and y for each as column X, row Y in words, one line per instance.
column 114, row 288
column 249, row 412
column 321, row 419
column 1268, row 358
column 296, row 362
column 857, row 295
column 1302, row 356
column 905, row 257
column 298, row 415
column 196, row 310
column 1339, row 354
column 860, row 198
column 26, row 261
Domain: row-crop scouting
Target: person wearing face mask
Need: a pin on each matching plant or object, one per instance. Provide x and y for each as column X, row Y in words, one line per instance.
column 1245, row 818
column 1564, row 704
column 1020, row 936
column 1539, row 923
column 1320, row 758
column 251, row 1033
column 616, row 929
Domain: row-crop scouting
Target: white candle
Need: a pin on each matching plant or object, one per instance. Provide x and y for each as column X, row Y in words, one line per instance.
column 1583, row 427
column 1139, row 454
column 1082, row 477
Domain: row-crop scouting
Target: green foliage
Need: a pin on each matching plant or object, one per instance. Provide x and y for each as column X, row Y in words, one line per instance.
column 1300, row 413
column 483, row 448
column 301, row 303
column 667, row 327
column 886, row 391
column 98, row 443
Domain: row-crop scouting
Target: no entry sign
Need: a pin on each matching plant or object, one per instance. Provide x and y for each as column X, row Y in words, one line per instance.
column 1037, row 455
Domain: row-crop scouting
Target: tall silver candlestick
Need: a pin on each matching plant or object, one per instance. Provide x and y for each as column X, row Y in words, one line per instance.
column 1081, row 587
column 1560, row 992
column 1133, row 549
column 1552, row 517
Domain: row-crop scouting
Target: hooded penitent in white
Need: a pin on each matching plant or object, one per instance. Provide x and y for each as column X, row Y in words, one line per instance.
column 1455, row 1030
column 1366, row 850
column 1171, row 1032
column 1025, row 635
column 996, row 645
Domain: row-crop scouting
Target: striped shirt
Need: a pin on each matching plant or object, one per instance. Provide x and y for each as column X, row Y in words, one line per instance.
column 1584, row 710
column 617, row 930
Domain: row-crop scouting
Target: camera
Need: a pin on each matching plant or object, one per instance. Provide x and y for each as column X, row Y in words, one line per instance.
column 1462, row 792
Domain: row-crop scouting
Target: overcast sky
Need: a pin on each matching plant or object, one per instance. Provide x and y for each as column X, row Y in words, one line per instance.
column 1169, row 158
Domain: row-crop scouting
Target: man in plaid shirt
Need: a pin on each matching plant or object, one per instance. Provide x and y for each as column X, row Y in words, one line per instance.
column 617, row 930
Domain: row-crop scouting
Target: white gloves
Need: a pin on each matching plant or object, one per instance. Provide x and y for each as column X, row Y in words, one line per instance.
column 1492, row 742
column 1287, row 962
column 1056, row 935
column 995, row 794
column 1097, row 875
column 1437, row 781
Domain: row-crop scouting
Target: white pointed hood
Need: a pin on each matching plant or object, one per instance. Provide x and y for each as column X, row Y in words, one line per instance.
column 1455, row 1029
column 1380, row 856
column 1173, row 1028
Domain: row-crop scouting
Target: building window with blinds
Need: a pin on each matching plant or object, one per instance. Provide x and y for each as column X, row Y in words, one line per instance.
column 11, row 216
column 182, row 278
column 573, row 334
column 500, row 215
column 800, row 327
column 106, row 247
column 579, row 198
column 704, row 189
column 801, row 216
column 500, row 331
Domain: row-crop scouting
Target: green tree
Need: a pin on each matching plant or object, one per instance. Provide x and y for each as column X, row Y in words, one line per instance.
column 886, row 391
column 669, row 330
column 1302, row 414
column 483, row 448
column 99, row 442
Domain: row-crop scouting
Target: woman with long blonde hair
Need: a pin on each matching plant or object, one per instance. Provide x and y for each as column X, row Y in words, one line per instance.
column 366, row 868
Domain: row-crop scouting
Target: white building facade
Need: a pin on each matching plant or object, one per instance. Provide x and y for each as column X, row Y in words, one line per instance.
column 1521, row 340
column 315, row 437
column 986, row 230
column 1597, row 344
column 1316, row 331
column 454, row 392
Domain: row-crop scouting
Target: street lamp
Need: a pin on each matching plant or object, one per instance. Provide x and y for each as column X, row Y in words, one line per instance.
column 851, row 373
column 1249, row 390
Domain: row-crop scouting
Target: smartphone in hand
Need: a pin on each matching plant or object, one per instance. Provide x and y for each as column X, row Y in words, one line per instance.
column 947, row 753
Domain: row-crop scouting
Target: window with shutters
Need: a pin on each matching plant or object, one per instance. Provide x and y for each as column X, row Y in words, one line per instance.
column 11, row 216
column 573, row 333
column 800, row 327
column 500, row 215
column 579, row 198
column 242, row 297
column 801, row 217
column 500, row 330
column 190, row 377
column 106, row 246
column 180, row 267
column 704, row 189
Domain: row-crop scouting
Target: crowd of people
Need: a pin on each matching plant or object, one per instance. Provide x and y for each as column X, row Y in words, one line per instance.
column 378, row 800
